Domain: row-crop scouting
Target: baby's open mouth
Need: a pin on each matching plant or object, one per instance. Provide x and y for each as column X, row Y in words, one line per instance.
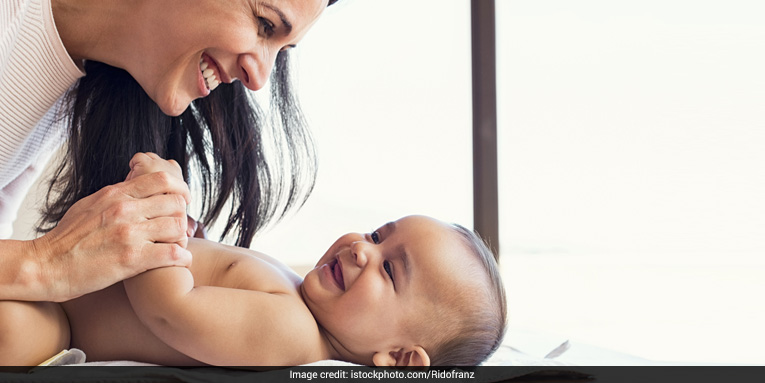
column 337, row 273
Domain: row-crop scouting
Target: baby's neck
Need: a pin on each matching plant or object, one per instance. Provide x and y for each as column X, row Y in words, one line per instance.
column 334, row 350
column 331, row 348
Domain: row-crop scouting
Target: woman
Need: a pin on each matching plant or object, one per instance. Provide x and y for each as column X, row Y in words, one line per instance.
column 163, row 76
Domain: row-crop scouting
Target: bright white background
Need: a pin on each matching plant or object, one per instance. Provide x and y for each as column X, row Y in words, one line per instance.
column 631, row 150
column 632, row 144
column 386, row 88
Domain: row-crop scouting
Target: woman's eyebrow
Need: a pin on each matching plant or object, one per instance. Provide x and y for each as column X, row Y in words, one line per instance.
column 287, row 24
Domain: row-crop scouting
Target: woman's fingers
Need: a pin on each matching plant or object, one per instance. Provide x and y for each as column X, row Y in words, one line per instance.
column 164, row 254
column 163, row 205
column 116, row 233
column 166, row 230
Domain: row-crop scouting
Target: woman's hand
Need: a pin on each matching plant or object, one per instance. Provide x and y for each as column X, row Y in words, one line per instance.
column 145, row 163
column 116, row 233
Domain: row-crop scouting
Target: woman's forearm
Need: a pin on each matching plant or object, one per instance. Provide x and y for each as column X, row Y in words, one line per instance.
column 21, row 276
column 113, row 234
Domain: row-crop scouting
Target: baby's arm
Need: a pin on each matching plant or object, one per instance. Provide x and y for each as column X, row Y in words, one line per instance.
column 145, row 163
column 215, row 325
column 218, row 325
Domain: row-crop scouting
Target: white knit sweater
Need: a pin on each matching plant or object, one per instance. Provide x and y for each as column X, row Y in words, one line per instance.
column 35, row 71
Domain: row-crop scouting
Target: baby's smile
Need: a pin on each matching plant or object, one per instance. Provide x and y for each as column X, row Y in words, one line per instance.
column 337, row 272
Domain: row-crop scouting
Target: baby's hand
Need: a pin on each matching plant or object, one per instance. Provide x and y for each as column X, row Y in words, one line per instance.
column 146, row 163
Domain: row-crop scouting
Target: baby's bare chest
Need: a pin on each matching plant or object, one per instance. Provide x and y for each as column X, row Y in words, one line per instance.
column 213, row 266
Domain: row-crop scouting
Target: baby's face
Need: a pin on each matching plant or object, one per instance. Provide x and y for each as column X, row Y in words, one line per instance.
column 369, row 289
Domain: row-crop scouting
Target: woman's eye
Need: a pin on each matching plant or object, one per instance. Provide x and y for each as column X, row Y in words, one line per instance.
column 375, row 237
column 386, row 266
column 266, row 25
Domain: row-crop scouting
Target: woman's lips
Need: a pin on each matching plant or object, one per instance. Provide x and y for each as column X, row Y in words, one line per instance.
column 204, row 91
column 210, row 72
column 220, row 73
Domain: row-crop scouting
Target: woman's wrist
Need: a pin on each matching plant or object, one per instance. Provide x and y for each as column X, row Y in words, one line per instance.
column 23, row 276
column 49, row 266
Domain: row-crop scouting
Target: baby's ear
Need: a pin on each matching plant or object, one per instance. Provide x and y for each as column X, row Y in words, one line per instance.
column 415, row 356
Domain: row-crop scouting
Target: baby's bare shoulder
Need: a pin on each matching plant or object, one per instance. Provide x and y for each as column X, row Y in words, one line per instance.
column 293, row 335
column 217, row 264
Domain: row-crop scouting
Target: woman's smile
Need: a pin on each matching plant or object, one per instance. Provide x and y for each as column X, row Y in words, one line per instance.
column 210, row 74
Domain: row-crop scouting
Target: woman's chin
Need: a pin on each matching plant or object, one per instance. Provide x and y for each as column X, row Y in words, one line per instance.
column 174, row 108
column 172, row 104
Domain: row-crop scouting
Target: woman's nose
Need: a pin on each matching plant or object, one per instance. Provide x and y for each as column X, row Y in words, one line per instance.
column 256, row 68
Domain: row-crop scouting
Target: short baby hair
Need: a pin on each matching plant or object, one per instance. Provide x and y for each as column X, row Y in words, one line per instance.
column 477, row 327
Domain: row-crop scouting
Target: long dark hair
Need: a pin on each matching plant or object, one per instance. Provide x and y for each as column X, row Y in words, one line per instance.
column 264, row 164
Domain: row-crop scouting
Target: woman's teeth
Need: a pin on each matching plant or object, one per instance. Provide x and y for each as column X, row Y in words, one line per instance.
column 209, row 75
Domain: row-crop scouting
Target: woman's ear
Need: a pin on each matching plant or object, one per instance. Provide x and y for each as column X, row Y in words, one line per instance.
column 415, row 356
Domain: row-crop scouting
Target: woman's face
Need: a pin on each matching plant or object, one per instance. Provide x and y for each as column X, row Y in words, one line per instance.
column 193, row 46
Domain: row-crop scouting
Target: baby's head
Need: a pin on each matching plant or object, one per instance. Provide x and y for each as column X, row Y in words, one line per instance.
column 416, row 291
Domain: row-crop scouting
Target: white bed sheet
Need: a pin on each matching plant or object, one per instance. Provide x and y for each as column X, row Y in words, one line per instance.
column 520, row 348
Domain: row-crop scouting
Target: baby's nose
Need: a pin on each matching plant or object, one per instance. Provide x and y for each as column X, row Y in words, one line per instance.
column 359, row 251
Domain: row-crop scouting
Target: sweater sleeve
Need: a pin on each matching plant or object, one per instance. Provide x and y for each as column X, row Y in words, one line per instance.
column 35, row 71
column 13, row 194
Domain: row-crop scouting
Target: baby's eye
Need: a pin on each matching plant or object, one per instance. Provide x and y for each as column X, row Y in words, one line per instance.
column 375, row 237
column 386, row 266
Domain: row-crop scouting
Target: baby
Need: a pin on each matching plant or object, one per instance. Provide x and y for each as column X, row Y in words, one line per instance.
column 414, row 292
